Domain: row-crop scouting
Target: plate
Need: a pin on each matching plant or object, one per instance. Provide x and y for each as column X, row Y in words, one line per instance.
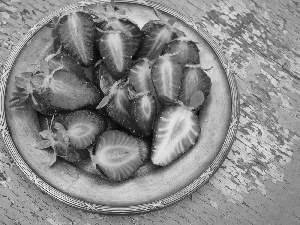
column 77, row 184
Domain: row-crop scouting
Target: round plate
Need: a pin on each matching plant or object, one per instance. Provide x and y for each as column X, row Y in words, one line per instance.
column 77, row 184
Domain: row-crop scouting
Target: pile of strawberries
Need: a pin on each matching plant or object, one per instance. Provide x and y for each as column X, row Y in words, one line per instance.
column 128, row 98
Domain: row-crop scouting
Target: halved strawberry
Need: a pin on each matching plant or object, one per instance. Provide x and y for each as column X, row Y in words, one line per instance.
column 143, row 111
column 176, row 130
column 55, row 92
column 115, row 49
column 112, row 18
column 117, row 155
column 188, row 52
column 82, row 127
column 156, row 34
column 195, row 86
column 140, row 76
column 166, row 75
column 118, row 105
column 76, row 32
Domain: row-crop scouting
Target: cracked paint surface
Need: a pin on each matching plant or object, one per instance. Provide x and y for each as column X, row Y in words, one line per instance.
column 257, row 183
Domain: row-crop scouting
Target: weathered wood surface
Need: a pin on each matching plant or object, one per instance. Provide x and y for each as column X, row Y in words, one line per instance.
column 260, row 179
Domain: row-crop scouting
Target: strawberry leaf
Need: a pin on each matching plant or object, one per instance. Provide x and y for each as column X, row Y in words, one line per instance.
column 197, row 99
column 43, row 144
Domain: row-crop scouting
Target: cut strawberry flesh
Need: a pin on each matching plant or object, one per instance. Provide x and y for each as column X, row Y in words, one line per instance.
column 83, row 126
column 82, row 135
column 143, row 111
column 69, row 92
column 140, row 77
column 115, row 45
column 187, row 51
column 117, row 155
column 176, row 131
column 166, row 76
column 115, row 49
column 76, row 32
column 156, row 36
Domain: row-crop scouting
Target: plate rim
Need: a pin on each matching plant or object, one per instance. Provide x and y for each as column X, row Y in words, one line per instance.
column 98, row 208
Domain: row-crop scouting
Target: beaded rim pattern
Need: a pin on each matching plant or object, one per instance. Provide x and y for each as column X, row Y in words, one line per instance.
column 164, row 202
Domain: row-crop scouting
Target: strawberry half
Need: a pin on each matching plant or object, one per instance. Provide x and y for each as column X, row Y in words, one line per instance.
column 115, row 49
column 195, row 87
column 188, row 52
column 117, row 155
column 140, row 76
column 156, row 34
column 82, row 127
column 176, row 130
column 143, row 111
column 111, row 18
column 55, row 92
column 76, row 32
column 166, row 75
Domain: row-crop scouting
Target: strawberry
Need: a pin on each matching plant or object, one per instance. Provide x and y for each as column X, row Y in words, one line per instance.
column 143, row 111
column 115, row 49
column 156, row 34
column 76, row 32
column 102, row 78
column 195, row 86
column 166, row 75
column 140, row 76
column 149, row 167
column 112, row 18
column 118, row 105
column 188, row 52
column 55, row 92
column 82, row 127
column 176, row 130
column 145, row 149
column 55, row 137
column 117, row 155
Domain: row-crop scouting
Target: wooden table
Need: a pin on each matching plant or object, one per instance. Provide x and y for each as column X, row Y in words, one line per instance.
column 259, row 182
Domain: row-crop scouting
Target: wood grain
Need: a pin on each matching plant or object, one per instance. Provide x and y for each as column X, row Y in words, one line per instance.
column 259, row 181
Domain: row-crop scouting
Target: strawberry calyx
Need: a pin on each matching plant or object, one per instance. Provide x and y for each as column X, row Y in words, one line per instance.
column 198, row 66
column 108, row 12
column 128, row 34
column 119, row 84
column 170, row 23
